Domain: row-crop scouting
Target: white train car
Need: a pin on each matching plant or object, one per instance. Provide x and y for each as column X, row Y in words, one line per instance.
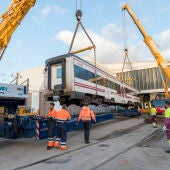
column 77, row 81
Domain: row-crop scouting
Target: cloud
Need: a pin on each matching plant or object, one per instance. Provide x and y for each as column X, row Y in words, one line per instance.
column 64, row 36
column 46, row 10
column 60, row 11
column 42, row 14
column 110, row 47
column 110, row 31
column 2, row 75
column 109, row 44
column 165, row 36
column 162, row 40
column 105, row 48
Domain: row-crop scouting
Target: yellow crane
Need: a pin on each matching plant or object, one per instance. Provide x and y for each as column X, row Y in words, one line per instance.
column 153, row 48
column 11, row 19
column 13, row 16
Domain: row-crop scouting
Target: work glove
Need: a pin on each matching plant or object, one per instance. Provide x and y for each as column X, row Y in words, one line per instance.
column 164, row 128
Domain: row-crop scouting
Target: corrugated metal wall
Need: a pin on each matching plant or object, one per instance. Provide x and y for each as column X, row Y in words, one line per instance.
column 145, row 79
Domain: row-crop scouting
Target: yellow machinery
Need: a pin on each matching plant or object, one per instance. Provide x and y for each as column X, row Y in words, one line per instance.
column 24, row 111
column 2, row 112
column 153, row 48
column 10, row 20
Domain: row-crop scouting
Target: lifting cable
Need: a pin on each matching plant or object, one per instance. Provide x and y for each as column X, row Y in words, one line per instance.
column 92, row 46
column 126, row 47
column 124, row 31
column 126, row 57
column 80, row 5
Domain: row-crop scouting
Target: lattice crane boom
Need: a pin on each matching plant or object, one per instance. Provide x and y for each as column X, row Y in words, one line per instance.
column 11, row 19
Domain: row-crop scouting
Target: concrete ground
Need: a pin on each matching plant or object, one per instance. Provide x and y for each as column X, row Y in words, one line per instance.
column 104, row 152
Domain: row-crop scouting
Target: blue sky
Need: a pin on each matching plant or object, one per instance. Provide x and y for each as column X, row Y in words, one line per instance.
column 47, row 29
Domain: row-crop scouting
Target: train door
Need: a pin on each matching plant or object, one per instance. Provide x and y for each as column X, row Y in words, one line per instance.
column 56, row 74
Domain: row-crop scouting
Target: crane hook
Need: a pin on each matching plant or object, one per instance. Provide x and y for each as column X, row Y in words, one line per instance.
column 79, row 14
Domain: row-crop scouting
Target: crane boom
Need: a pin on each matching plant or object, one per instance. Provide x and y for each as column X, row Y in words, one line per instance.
column 150, row 43
column 10, row 20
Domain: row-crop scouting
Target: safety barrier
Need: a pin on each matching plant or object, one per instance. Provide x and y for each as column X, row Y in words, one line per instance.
column 43, row 129
column 129, row 113
column 31, row 127
column 71, row 125
column 37, row 130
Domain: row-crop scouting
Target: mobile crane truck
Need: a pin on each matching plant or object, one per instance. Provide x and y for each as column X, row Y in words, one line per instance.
column 162, row 64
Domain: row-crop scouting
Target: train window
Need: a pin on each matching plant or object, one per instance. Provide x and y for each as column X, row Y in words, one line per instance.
column 105, row 82
column 83, row 73
column 118, row 88
column 111, row 85
column 59, row 72
column 128, row 90
column 100, row 80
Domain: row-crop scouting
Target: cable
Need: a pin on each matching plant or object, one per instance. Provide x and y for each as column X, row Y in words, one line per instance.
column 124, row 31
column 76, row 5
column 126, row 51
column 80, row 4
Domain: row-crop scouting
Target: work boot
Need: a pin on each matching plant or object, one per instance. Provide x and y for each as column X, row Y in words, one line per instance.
column 87, row 142
column 63, row 148
column 168, row 151
column 57, row 145
column 153, row 124
column 49, row 147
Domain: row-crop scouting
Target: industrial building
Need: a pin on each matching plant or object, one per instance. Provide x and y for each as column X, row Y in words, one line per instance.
column 146, row 77
column 36, row 88
column 12, row 96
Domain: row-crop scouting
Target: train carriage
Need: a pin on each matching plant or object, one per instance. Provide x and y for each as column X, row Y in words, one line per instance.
column 75, row 80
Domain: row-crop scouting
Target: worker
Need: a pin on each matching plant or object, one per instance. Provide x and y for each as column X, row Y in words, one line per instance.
column 167, row 122
column 153, row 113
column 139, row 110
column 61, row 138
column 86, row 115
column 51, row 126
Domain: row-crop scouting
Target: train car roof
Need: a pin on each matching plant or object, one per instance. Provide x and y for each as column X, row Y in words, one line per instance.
column 59, row 57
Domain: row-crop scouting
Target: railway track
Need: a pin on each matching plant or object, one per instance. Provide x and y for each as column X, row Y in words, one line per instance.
column 143, row 143
column 99, row 141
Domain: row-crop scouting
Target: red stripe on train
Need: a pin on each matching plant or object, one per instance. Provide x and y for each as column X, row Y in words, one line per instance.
column 89, row 87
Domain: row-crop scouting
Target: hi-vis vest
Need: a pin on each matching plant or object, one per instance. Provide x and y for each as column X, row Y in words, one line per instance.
column 52, row 113
column 62, row 115
column 86, row 114
column 167, row 113
column 153, row 111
